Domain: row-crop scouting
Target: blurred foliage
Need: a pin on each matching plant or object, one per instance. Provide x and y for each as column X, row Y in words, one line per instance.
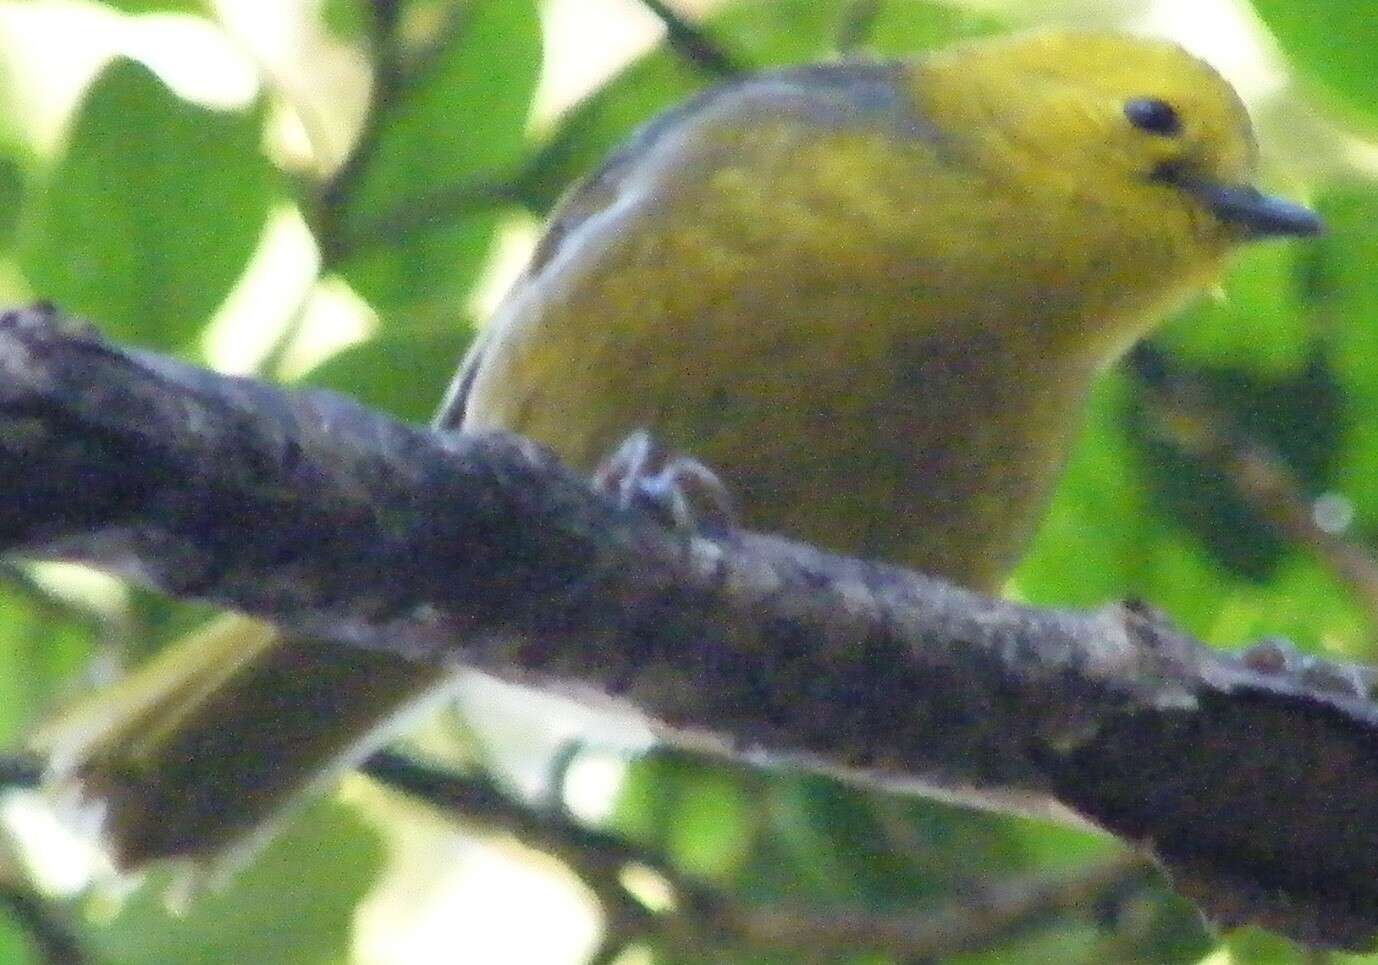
column 763, row 33
column 157, row 6
column 429, row 358
column 293, row 906
column 151, row 209
column 152, row 272
column 1334, row 43
column 450, row 109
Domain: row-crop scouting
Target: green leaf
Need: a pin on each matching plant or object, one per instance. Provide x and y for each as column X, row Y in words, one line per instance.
column 1131, row 517
column 15, row 946
column 1258, row 323
column 1298, row 418
column 758, row 33
column 1333, row 43
column 157, row 6
column 13, row 182
column 294, row 905
column 152, row 212
column 712, row 827
column 42, row 650
column 1343, row 289
column 348, row 19
column 903, row 29
column 462, row 120
column 1253, row 946
column 1095, row 537
column 400, row 373
column 16, row 162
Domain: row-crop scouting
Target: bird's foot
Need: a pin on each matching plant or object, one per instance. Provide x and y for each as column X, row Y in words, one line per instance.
column 677, row 489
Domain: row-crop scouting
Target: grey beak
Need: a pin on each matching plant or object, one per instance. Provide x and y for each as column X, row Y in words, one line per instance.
column 1258, row 214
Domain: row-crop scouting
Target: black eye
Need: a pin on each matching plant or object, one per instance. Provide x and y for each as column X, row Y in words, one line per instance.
column 1154, row 116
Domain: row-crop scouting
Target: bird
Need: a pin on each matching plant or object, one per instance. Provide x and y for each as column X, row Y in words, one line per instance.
column 871, row 296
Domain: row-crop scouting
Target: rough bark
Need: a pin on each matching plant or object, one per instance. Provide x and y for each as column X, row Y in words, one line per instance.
column 1252, row 777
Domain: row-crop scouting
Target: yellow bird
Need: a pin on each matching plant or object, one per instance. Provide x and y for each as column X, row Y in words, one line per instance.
column 872, row 296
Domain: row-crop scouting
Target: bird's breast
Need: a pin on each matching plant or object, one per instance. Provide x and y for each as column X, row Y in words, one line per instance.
column 838, row 402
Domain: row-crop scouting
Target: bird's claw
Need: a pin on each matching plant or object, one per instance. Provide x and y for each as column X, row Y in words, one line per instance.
column 677, row 489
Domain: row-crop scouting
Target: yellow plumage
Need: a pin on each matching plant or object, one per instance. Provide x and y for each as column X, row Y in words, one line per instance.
column 872, row 297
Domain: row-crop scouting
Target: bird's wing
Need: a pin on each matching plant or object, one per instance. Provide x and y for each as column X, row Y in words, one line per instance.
column 667, row 150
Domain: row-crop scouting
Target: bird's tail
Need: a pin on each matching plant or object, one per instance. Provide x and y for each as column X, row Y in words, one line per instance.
column 205, row 745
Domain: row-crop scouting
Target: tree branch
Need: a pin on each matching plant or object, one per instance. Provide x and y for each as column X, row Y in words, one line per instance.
column 394, row 77
column 434, row 210
column 692, row 43
column 978, row 922
column 1252, row 778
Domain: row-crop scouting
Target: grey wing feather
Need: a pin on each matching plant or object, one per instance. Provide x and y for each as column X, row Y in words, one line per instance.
column 581, row 202
column 828, row 95
column 450, row 415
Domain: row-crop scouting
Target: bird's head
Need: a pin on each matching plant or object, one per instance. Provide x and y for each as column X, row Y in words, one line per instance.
column 1132, row 146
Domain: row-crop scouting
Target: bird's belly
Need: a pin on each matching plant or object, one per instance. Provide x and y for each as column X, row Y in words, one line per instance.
column 911, row 448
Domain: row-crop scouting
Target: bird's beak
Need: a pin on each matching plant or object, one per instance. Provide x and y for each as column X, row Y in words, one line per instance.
column 1243, row 206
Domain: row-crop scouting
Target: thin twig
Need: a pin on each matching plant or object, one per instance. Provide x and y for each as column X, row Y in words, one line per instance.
column 980, row 922
column 477, row 798
column 1194, row 424
column 433, row 210
column 597, row 856
column 52, row 939
column 858, row 21
column 20, row 770
column 443, row 206
column 975, row 922
column 332, row 197
column 692, row 43
column 383, row 16
column 393, row 78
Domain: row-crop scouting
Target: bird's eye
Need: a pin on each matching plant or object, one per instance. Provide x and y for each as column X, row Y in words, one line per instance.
column 1153, row 116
